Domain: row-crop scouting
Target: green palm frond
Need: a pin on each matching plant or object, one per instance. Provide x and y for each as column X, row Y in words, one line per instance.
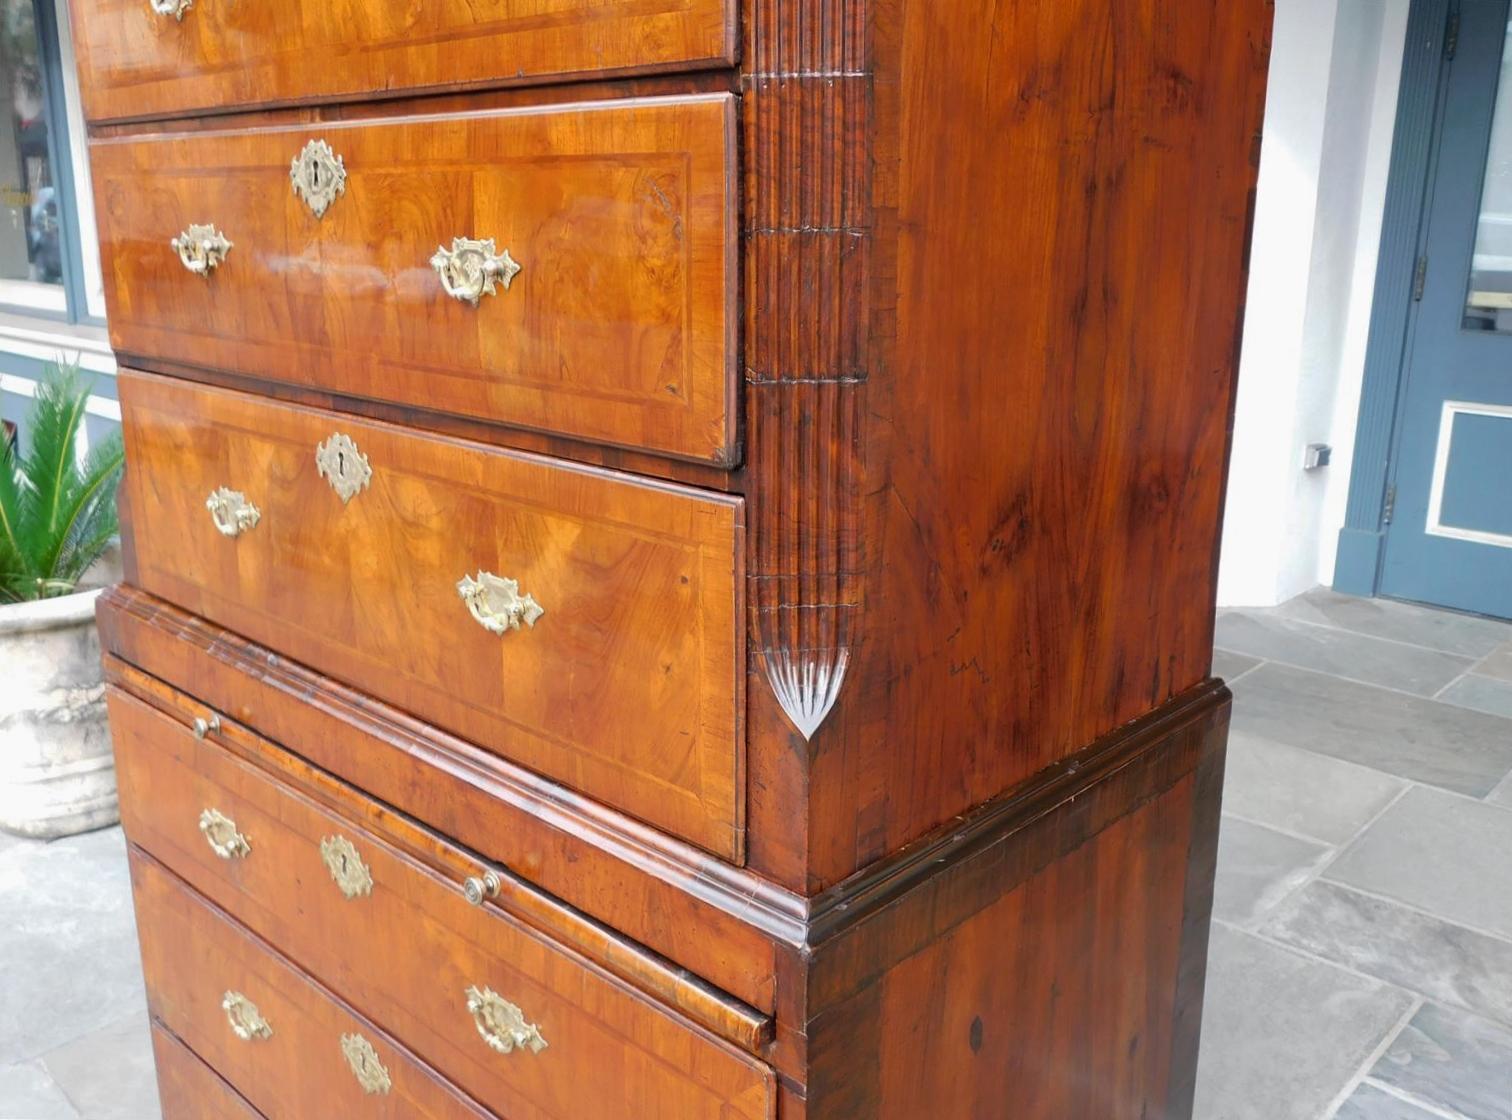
column 57, row 514
column 86, row 510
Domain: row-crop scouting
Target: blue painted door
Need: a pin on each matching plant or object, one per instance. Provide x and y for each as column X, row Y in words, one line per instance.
column 1449, row 540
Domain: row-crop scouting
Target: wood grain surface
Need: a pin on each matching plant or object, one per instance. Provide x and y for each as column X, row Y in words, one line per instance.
column 619, row 328
column 227, row 53
column 416, row 909
column 299, row 1069
column 993, row 338
column 408, row 951
column 188, row 1089
column 640, row 584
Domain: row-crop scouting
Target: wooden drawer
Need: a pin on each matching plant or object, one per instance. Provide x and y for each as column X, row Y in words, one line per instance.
column 137, row 62
column 391, row 931
column 628, row 686
column 293, row 1061
column 618, row 327
column 188, row 1088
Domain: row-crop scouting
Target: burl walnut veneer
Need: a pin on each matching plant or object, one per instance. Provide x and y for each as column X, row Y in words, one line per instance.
column 671, row 547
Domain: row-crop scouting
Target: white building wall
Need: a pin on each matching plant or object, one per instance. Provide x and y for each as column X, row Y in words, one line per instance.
column 1327, row 146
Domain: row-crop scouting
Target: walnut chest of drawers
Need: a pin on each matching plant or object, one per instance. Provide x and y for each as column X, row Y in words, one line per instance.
column 670, row 547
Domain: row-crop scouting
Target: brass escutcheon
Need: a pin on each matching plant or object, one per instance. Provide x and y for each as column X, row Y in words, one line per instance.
column 346, row 866
column 364, row 1063
column 318, row 175
column 341, row 464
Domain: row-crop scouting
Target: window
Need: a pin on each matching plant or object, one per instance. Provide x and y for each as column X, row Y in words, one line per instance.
column 42, row 265
column 1489, row 307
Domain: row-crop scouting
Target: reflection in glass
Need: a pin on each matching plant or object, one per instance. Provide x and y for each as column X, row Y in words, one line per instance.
column 1489, row 307
column 29, row 247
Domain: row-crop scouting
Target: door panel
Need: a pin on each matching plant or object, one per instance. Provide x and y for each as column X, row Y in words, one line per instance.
column 1450, row 539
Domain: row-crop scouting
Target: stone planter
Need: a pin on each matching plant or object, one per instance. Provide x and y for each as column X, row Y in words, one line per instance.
column 57, row 772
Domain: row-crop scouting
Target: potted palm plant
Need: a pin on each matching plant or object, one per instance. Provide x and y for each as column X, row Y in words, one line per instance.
column 57, row 520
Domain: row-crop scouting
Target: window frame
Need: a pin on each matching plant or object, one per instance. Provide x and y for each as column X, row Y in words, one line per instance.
column 80, row 297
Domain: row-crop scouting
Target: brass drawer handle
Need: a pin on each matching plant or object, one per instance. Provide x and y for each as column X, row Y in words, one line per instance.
column 174, row 8
column 340, row 463
column 246, row 1021
column 364, row 1063
column 501, row 1024
column 201, row 249
column 470, row 269
column 478, row 888
column 203, row 726
column 221, row 834
column 497, row 604
column 232, row 513
column 346, row 866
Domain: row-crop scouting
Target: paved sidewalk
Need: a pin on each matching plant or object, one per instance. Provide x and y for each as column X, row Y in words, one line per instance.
column 1361, row 964
column 73, row 1015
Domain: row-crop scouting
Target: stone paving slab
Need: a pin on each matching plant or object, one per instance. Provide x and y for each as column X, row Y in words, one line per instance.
column 1413, row 950
column 1440, row 853
column 1453, row 1061
column 1340, row 653
column 1282, row 1035
column 1409, row 736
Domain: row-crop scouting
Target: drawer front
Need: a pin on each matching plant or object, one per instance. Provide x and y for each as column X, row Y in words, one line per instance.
column 144, row 58
column 580, row 622
column 403, row 945
column 283, row 1042
column 188, row 1088
column 606, row 311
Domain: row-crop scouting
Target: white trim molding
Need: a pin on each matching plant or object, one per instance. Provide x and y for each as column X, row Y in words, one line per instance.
column 1435, row 526
column 46, row 341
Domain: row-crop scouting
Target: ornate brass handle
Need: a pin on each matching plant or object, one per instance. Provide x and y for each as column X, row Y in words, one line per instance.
column 501, row 1024
column 497, row 604
column 222, row 836
column 201, row 249
column 364, row 1063
column 346, row 867
column 246, row 1021
column 174, row 8
column 470, row 269
column 232, row 513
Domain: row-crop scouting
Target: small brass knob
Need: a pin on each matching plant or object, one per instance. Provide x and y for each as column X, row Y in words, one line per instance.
column 203, row 727
column 477, row 889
